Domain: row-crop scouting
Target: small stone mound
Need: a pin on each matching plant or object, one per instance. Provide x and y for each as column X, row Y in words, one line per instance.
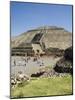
column 19, row 79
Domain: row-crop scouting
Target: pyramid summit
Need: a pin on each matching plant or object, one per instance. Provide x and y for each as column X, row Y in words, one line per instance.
column 46, row 28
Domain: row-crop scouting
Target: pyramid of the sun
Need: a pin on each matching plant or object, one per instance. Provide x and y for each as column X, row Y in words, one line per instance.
column 47, row 36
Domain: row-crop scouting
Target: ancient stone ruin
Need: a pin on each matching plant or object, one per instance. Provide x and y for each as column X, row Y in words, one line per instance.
column 42, row 40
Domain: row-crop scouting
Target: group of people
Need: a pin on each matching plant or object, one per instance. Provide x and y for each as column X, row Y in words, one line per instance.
column 25, row 60
column 39, row 61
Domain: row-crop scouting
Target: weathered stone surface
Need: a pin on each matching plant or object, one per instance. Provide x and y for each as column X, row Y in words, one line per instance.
column 46, row 37
column 19, row 79
column 22, row 77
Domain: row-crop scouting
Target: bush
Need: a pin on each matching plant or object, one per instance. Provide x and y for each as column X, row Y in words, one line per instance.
column 64, row 65
column 69, row 54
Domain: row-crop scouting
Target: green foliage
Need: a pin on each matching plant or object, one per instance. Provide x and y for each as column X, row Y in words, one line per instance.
column 45, row 87
column 20, row 94
column 22, row 83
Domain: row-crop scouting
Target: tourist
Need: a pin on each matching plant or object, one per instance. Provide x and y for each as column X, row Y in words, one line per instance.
column 14, row 62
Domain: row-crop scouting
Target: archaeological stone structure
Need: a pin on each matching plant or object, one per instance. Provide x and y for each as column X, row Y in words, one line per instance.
column 40, row 40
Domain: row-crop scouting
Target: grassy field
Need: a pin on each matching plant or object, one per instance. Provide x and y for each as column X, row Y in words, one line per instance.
column 44, row 87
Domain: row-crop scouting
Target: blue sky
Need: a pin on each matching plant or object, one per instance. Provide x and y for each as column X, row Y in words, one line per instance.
column 26, row 16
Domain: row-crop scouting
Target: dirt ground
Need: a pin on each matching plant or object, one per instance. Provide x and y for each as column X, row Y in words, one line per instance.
column 28, row 66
